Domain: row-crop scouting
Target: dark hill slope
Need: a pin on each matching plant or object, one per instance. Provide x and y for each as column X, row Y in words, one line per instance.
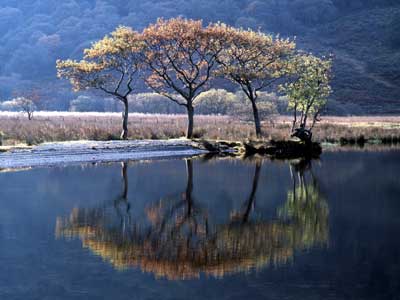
column 364, row 36
column 367, row 57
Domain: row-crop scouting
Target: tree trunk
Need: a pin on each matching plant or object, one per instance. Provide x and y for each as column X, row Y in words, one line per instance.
column 124, row 174
column 250, row 200
column 294, row 117
column 189, row 186
column 190, row 112
column 257, row 121
column 305, row 120
column 125, row 115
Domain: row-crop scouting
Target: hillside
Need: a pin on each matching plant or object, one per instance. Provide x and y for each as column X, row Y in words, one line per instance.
column 367, row 61
column 364, row 37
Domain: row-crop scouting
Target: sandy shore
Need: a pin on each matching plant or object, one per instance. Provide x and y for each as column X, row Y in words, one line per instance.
column 64, row 153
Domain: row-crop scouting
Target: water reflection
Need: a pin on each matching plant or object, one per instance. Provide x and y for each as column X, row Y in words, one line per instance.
column 178, row 240
column 306, row 207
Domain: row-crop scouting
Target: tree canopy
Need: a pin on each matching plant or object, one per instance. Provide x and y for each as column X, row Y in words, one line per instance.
column 309, row 88
column 110, row 65
column 254, row 61
column 177, row 58
column 181, row 55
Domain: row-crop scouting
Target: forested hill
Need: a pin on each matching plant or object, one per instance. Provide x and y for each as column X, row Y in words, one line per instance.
column 364, row 36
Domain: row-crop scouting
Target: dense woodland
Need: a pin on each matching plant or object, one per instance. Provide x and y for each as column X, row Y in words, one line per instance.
column 364, row 37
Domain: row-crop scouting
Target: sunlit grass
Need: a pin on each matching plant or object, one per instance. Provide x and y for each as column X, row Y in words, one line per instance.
column 64, row 126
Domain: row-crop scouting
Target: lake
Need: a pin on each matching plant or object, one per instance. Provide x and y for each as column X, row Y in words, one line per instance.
column 204, row 229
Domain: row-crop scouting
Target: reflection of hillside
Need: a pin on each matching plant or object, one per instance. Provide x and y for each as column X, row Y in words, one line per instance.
column 178, row 241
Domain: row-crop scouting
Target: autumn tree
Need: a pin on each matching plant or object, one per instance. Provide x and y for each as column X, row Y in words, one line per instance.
column 254, row 61
column 307, row 91
column 110, row 65
column 181, row 55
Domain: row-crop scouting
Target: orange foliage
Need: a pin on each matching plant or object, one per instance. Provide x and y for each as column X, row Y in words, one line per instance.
column 181, row 55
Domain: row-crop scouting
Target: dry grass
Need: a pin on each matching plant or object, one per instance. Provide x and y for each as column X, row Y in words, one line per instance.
column 47, row 127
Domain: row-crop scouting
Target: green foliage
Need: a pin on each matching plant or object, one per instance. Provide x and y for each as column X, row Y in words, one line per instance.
column 153, row 103
column 306, row 207
column 215, row 102
column 309, row 88
column 267, row 104
column 98, row 104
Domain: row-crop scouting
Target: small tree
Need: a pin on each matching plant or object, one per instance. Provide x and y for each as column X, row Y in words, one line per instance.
column 254, row 61
column 27, row 106
column 110, row 65
column 307, row 92
column 181, row 55
column 28, row 100
column 20, row 104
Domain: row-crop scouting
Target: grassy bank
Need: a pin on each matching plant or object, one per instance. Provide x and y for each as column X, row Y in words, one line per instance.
column 48, row 127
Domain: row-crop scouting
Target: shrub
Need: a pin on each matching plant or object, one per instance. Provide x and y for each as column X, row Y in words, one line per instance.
column 88, row 103
column 214, row 102
column 153, row 103
column 266, row 104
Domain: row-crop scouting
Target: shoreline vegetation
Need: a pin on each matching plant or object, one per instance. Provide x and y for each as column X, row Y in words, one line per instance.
column 53, row 154
column 61, row 153
column 179, row 59
column 16, row 129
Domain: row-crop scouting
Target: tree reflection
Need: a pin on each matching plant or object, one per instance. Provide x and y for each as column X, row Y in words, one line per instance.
column 306, row 207
column 178, row 242
column 243, row 217
column 121, row 204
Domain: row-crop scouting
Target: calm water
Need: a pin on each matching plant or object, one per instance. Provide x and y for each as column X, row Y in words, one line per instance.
column 216, row 229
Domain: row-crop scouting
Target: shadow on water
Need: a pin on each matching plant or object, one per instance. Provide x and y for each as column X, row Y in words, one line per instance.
column 178, row 240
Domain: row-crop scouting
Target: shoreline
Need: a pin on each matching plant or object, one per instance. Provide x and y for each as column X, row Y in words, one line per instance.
column 80, row 152
column 77, row 152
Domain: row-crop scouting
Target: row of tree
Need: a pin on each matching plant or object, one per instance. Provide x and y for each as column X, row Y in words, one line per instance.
column 179, row 59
